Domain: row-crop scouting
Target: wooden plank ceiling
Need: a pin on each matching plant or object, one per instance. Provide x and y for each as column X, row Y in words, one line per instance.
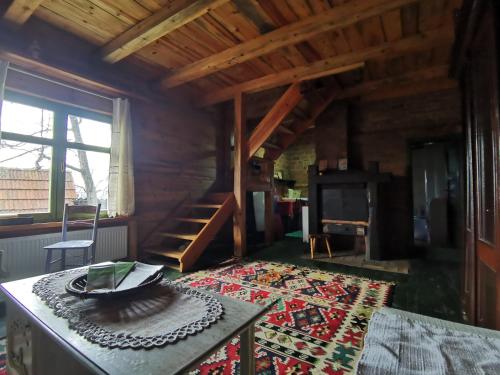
column 215, row 48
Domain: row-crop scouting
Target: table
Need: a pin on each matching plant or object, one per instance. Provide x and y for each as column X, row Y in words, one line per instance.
column 55, row 349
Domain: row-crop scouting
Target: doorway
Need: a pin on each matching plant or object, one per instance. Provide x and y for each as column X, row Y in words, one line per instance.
column 436, row 193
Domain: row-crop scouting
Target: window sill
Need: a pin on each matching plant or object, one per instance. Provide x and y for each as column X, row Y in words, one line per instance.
column 7, row 231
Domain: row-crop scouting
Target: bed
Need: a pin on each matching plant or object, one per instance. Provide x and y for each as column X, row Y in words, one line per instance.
column 399, row 342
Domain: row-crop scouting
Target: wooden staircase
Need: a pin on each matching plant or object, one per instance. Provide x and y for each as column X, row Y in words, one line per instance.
column 195, row 229
column 293, row 113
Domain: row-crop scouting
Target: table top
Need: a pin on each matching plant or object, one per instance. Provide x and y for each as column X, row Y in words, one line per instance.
column 170, row 359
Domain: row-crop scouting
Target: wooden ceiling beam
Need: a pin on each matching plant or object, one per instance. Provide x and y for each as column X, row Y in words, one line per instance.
column 154, row 27
column 333, row 19
column 418, row 87
column 422, row 77
column 335, row 65
column 285, row 104
column 270, row 81
column 19, row 11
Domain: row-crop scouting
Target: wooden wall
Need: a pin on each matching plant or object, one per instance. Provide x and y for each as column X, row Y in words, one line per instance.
column 380, row 130
column 174, row 154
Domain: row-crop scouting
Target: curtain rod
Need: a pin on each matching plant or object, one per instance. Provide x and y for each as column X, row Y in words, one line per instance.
column 22, row 71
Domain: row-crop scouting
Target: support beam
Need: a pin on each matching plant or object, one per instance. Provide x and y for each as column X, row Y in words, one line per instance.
column 270, row 81
column 334, row 19
column 19, row 11
column 335, row 65
column 285, row 104
column 419, row 81
column 154, row 27
column 240, row 176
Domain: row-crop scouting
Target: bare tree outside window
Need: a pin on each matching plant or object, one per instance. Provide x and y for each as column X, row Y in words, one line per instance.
column 84, row 169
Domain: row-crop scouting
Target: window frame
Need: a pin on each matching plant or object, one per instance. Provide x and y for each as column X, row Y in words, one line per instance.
column 59, row 144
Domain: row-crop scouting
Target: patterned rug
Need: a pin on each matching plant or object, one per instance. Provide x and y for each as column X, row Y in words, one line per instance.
column 316, row 327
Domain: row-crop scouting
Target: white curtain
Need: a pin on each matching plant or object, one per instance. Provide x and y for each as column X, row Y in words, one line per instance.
column 4, row 65
column 121, row 169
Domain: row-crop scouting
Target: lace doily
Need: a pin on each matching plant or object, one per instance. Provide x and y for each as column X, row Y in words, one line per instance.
column 153, row 317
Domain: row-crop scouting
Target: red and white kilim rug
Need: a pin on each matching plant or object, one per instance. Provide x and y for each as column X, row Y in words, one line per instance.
column 316, row 327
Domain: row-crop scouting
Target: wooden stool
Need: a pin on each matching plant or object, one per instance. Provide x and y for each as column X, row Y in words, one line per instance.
column 312, row 242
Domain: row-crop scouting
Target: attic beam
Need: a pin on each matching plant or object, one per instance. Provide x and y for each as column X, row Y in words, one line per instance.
column 335, row 65
column 154, row 27
column 333, row 19
column 19, row 11
column 274, row 80
column 423, row 80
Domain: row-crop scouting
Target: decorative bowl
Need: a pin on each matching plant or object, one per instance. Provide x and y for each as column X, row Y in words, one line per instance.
column 77, row 286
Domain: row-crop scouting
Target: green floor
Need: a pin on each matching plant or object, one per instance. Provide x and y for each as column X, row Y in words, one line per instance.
column 431, row 288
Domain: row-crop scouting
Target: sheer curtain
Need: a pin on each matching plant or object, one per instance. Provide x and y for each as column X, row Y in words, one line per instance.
column 4, row 65
column 121, row 169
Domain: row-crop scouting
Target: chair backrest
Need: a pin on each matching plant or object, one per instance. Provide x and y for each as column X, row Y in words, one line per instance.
column 70, row 210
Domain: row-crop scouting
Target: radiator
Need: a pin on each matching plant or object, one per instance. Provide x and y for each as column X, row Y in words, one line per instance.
column 25, row 256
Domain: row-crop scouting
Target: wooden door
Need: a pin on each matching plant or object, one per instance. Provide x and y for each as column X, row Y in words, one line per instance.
column 484, row 82
column 469, row 261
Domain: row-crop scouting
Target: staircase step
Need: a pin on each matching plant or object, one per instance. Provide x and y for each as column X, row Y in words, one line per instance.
column 316, row 96
column 192, row 220
column 271, row 145
column 182, row 236
column 205, row 205
column 169, row 253
column 173, row 266
column 285, row 130
column 301, row 114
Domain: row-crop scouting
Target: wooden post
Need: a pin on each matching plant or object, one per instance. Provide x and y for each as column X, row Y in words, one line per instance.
column 268, row 209
column 240, row 176
column 314, row 200
column 268, row 217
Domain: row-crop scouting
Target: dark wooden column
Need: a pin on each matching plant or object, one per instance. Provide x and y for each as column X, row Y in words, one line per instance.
column 268, row 210
column 314, row 200
column 240, row 175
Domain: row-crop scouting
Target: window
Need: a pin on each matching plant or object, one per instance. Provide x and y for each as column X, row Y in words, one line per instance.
column 51, row 154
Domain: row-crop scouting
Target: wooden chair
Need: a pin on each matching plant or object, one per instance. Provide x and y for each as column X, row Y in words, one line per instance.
column 312, row 242
column 73, row 245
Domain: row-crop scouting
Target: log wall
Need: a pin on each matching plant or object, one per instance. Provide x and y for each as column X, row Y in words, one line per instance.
column 174, row 159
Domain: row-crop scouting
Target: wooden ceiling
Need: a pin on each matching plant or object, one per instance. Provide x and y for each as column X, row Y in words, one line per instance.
column 215, row 48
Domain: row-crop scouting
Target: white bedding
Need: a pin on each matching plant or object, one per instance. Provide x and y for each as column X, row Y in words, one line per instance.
column 403, row 343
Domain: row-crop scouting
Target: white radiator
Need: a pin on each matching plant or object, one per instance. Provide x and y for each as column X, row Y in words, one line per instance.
column 25, row 256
